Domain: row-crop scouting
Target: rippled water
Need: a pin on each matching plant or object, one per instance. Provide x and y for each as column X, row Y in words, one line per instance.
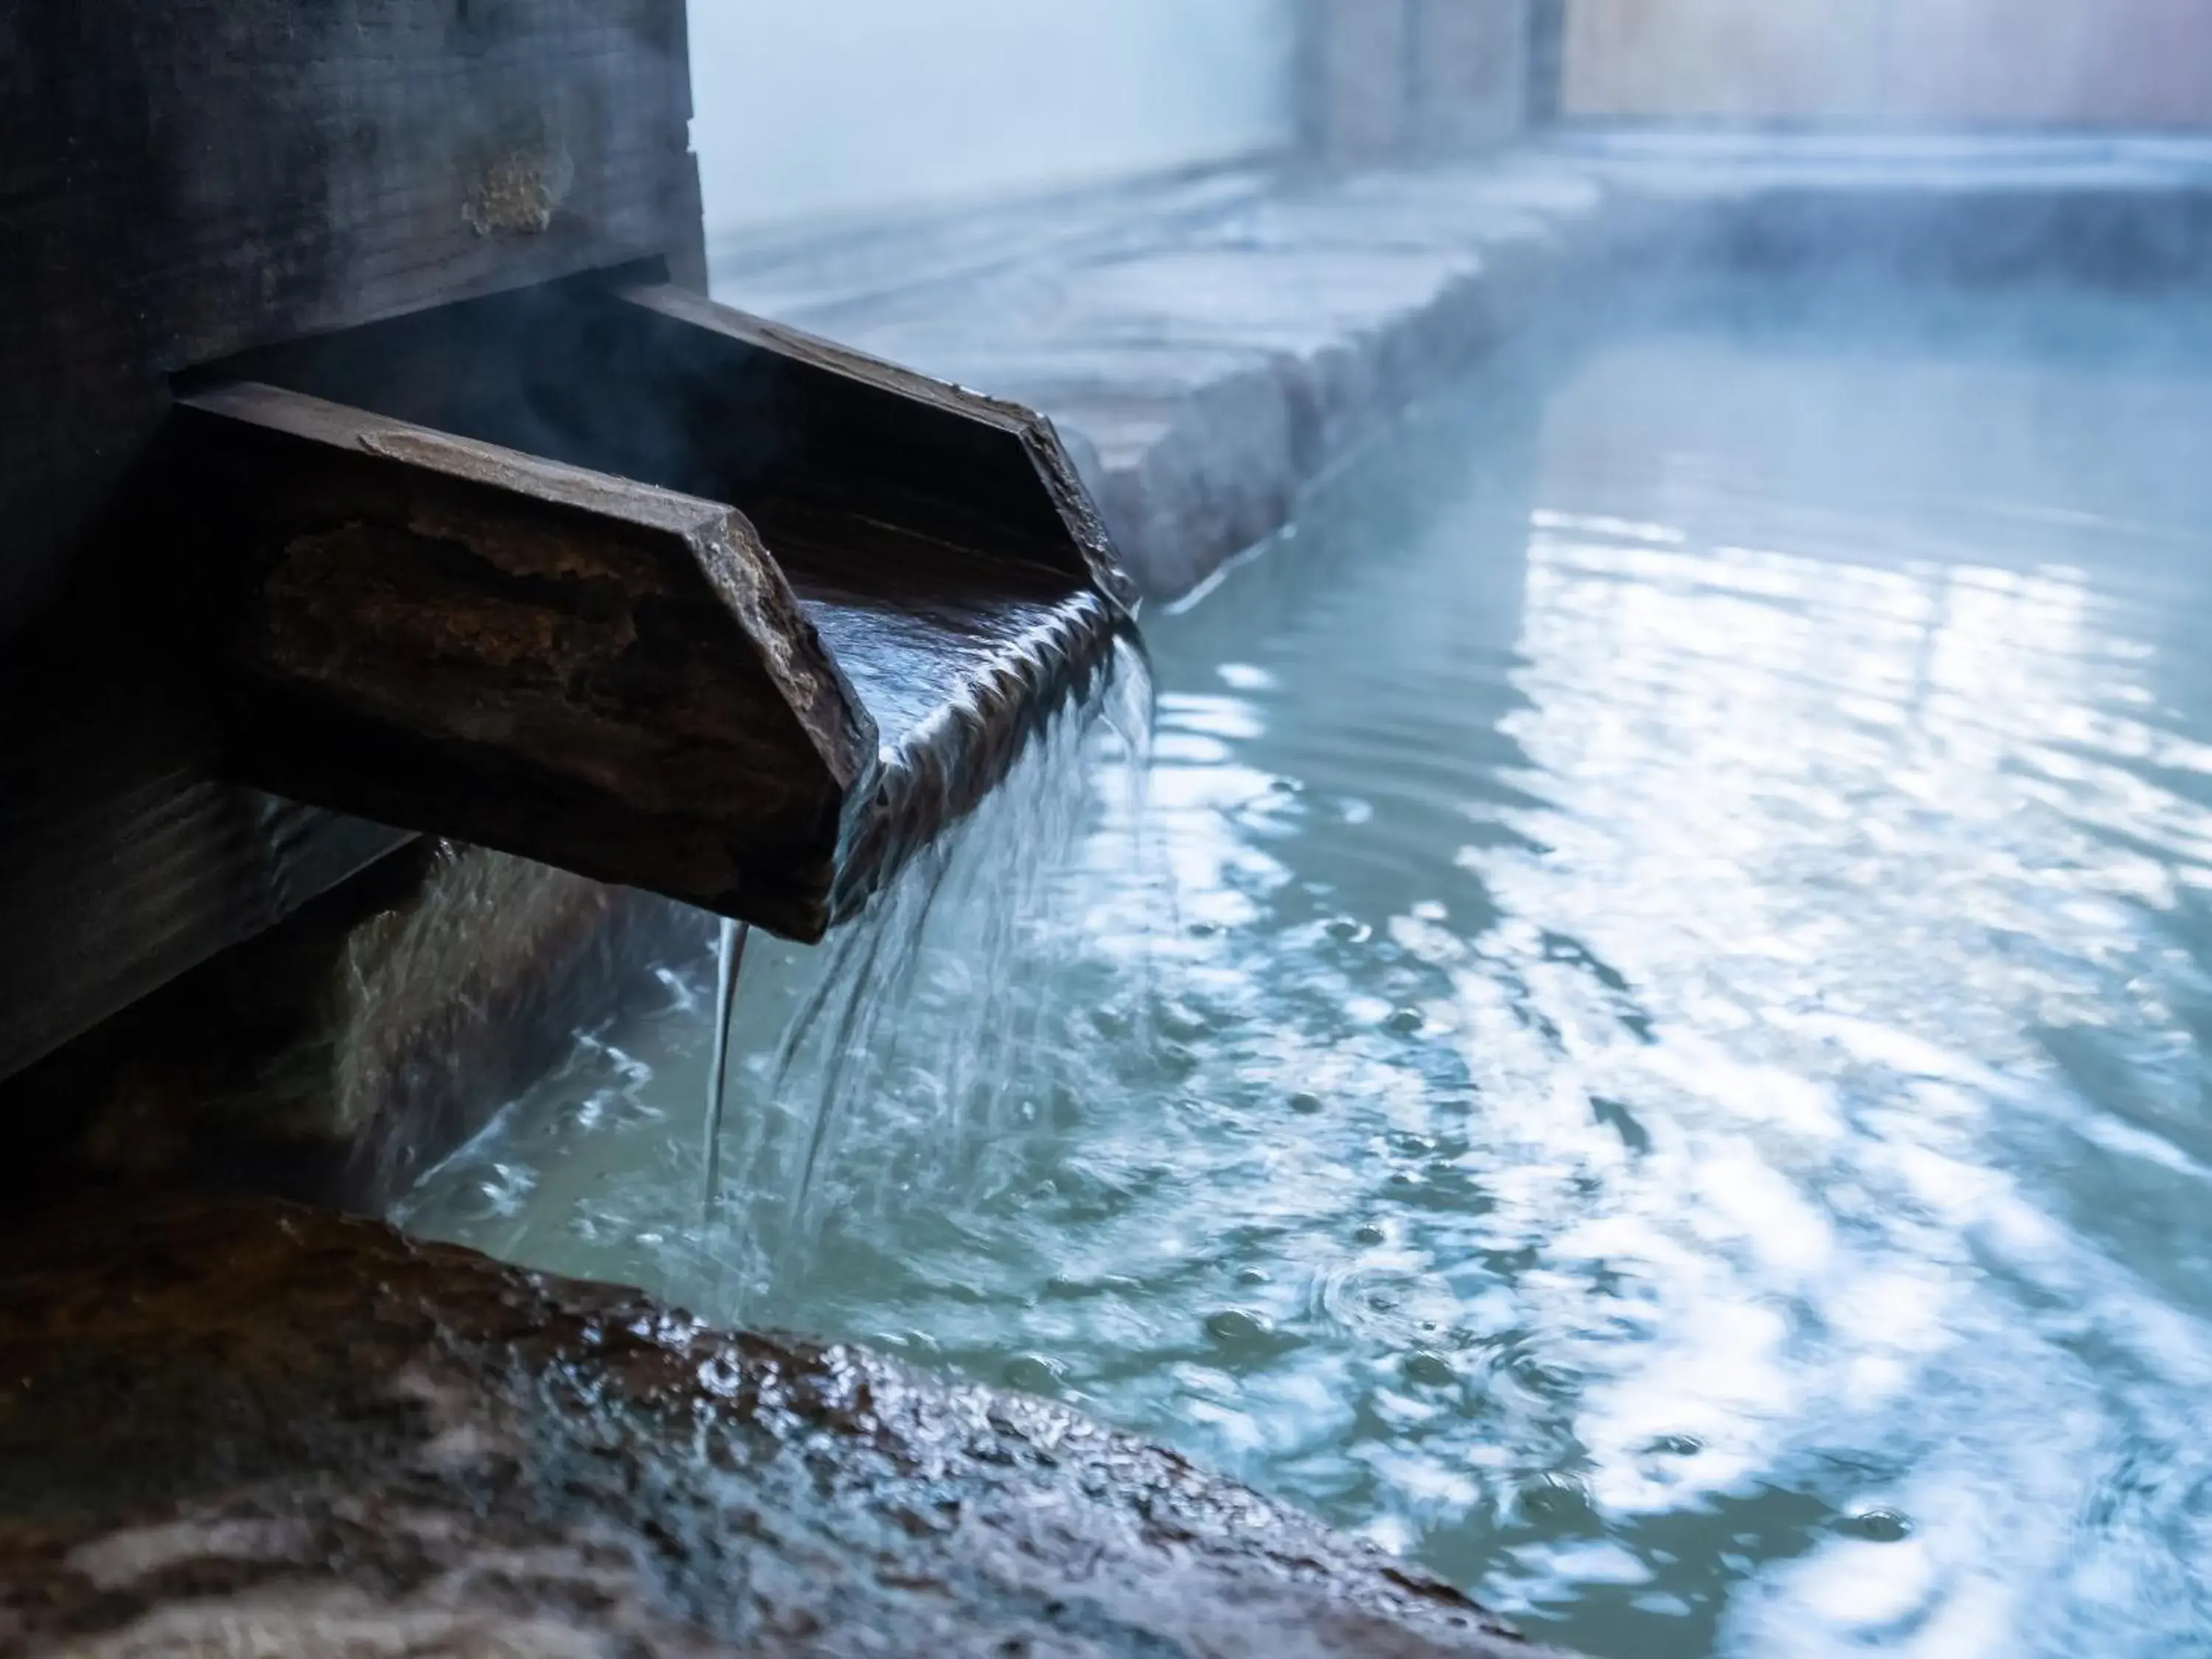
column 1647, row 1049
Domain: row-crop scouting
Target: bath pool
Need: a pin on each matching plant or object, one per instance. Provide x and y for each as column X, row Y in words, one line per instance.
column 1645, row 1046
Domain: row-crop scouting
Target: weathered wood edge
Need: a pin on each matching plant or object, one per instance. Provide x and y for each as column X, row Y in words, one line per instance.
column 575, row 668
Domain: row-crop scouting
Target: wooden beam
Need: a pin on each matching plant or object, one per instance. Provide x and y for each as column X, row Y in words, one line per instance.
column 937, row 541
column 433, row 632
column 651, row 381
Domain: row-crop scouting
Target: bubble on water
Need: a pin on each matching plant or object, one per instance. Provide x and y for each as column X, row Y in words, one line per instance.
column 1239, row 1329
column 1560, row 1502
column 1033, row 1373
column 1184, row 1022
column 1425, row 1368
column 1877, row 1526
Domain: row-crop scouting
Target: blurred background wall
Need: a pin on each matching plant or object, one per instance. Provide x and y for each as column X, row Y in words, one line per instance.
column 2142, row 63
column 1388, row 79
column 810, row 108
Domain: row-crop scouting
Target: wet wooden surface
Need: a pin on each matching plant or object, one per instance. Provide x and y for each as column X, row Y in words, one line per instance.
column 933, row 546
column 428, row 630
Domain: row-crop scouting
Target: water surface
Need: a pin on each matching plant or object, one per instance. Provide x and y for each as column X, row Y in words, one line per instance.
column 1644, row 1047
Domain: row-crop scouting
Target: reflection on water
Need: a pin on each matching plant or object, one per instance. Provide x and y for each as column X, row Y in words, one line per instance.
column 1647, row 1050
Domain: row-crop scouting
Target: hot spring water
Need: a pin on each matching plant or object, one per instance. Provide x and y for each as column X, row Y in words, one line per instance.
column 1642, row 1043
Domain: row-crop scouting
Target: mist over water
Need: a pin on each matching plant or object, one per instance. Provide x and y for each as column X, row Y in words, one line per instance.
column 1643, row 1046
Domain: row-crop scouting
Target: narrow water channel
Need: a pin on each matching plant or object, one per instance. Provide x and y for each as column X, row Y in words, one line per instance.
column 1642, row 1043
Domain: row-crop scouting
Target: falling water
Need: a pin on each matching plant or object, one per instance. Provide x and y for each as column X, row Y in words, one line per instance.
column 895, row 1068
column 921, row 1051
column 729, row 960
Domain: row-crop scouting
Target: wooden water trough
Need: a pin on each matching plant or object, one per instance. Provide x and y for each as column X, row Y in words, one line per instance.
column 371, row 464
column 619, row 580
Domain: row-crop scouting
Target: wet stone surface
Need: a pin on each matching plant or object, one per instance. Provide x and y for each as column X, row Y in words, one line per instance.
column 239, row 1427
column 335, row 1057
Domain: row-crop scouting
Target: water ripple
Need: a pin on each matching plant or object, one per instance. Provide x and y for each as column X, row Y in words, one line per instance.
column 1646, row 1044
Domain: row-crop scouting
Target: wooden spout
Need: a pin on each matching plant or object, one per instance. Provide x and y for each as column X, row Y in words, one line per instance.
column 625, row 583
column 446, row 636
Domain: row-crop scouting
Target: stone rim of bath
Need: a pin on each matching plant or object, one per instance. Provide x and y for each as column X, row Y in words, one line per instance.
column 233, row 1420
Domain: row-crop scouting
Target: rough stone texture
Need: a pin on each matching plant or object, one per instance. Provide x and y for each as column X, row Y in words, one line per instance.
column 240, row 1429
column 338, row 1055
column 1210, row 362
column 1212, row 342
column 1384, row 80
column 2105, row 211
column 1359, row 54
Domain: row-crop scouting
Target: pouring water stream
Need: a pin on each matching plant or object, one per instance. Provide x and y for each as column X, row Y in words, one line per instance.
column 729, row 960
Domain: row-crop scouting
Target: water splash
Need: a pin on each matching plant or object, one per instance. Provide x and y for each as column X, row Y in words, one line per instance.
column 917, row 1046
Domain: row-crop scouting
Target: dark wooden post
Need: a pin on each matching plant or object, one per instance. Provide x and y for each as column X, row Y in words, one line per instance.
column 180, row 180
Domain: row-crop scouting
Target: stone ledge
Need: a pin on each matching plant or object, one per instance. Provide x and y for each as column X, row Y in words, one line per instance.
column 243, row 1427
column 1214, row 344
column 1210, row 359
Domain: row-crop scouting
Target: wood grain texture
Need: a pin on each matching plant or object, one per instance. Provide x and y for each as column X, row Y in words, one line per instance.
column 181, row 179
column 351, row 1047
column 128, row 864
column 651, row 382
column 581, row 669
column 937, row 539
